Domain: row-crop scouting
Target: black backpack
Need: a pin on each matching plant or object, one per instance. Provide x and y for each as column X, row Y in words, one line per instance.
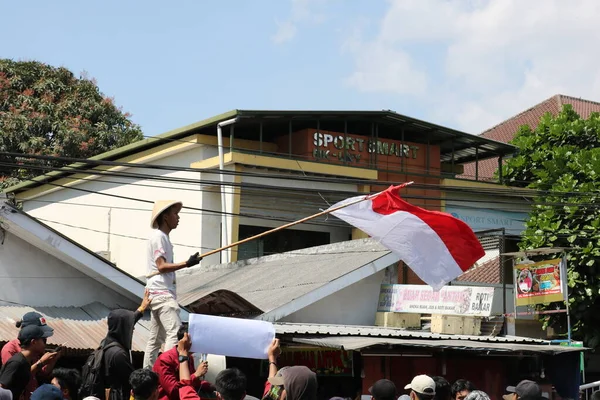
column 93, row 379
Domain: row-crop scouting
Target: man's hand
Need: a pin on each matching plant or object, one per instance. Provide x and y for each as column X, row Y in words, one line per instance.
column 274, row 351
column 146, row 300
column 48, row 357
column 183, row 347
column 193, row 260
column 202, row 369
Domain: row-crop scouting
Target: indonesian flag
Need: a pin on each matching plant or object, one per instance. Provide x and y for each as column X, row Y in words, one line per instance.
column 435, row 245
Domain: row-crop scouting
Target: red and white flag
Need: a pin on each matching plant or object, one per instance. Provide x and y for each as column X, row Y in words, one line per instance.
column 435, row 245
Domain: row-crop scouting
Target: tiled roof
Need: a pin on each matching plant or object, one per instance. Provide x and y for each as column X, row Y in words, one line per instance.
column 505, row 131
column 489, row 272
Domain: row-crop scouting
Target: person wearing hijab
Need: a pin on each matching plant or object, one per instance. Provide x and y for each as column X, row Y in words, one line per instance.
column 299, row 383
column 117, row 344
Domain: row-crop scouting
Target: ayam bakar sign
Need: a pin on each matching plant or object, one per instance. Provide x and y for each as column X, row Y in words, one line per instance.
column 451, row 300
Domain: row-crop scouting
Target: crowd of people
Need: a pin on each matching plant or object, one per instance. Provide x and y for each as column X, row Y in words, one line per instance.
column 173, row 376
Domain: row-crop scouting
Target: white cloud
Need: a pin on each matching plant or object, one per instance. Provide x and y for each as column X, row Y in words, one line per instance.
column 493, row 58
column 286, row 31
column 302, row 11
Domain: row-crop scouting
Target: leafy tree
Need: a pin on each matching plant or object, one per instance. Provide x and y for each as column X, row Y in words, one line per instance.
column 561, row 159
column 46, row 110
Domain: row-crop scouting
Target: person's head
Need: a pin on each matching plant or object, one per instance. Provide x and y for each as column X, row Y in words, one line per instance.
column 231, row 384
column 183, row 329
column 422, row 387
column 144, row 384
column 33, row 338
column 47, row 392
column 299, row 383
column 120, row 326
column 383, row 389
column 442, row 388
column 165, row 215
column 31, row 318
column 477, row 395
column 525, row 390
column 68, row 381
column 461, row 389
column 276, row 390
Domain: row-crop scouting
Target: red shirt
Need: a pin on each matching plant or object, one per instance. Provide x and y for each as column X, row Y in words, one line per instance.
column 10, row 349
column 167, row 368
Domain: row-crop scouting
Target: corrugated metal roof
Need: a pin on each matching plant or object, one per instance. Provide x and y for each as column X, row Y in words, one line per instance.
column 284, row 328
column 81, row 328
column 273, row 281
column 359, row 343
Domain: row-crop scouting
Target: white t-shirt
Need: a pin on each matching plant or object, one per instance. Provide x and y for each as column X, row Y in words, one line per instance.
column 159, row 245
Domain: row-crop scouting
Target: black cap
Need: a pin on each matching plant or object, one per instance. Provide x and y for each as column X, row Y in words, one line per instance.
column 526, row 390
column 383, row 389
column 32, row 332
column 33, row 318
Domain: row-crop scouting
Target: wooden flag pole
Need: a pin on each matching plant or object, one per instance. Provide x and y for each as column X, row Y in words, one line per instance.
column 279, row 228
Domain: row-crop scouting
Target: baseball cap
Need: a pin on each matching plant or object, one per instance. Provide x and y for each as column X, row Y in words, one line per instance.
column 32, row 332
column 47, row 392
column 277, row 380
column 383, row 389
column 422, row 384
column 527, row 390
column 33, row 318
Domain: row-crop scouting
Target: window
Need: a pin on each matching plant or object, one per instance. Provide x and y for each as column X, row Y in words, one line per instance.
column 278, row 242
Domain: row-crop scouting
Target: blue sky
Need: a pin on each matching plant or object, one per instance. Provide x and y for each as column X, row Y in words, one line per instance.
column 464, row 64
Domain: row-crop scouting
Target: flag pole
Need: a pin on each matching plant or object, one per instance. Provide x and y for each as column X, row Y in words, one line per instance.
column 279, row 228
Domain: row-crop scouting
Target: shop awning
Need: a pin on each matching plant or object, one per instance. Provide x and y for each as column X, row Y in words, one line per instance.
column 360, row 343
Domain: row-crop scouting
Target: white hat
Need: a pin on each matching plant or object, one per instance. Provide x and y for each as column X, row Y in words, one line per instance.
column 422, row 384
column 159, row 207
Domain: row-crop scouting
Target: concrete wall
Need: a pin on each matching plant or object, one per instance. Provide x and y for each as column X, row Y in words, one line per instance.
column 32, row 277
column 353, row 305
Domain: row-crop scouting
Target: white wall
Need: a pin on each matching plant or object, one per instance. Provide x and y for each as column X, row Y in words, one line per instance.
column 121, row 226
column 32, row 277
column 353, row 305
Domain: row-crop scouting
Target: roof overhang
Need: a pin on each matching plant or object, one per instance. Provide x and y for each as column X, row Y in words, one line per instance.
column 374, row 343
column 456, row 147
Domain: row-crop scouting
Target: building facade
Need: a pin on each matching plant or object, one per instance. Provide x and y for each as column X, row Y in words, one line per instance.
column 277, row 167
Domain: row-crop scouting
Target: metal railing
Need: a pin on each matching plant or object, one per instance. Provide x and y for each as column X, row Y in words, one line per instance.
column 589, row 388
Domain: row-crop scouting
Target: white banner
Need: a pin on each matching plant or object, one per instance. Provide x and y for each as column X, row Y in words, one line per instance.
column 450, row 300
column 233, row 337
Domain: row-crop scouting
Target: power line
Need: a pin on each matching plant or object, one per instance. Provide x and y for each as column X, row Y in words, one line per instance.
column 305, row 202
column 291, row 189
column 73, row 168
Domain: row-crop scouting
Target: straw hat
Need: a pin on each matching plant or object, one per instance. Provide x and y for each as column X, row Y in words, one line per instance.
column 159, row 207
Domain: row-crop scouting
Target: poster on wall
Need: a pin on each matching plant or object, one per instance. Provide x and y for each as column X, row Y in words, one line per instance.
column 321, row 362
column 451, row 300
column 539, row 283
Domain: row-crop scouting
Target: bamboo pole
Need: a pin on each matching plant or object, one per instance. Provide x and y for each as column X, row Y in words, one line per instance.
column 317, row 215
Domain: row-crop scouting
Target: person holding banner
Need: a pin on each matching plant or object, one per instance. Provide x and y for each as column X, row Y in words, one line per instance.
column 168, row 364
column 165, row 319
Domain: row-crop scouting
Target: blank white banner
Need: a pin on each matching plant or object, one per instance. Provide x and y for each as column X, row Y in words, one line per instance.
column 233, row 337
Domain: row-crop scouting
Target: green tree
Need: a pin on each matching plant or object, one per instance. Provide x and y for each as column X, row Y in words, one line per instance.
column 561, row 159
column 46, row 110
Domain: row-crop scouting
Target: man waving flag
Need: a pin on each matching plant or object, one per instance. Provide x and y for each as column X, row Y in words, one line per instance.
column 435, row 245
